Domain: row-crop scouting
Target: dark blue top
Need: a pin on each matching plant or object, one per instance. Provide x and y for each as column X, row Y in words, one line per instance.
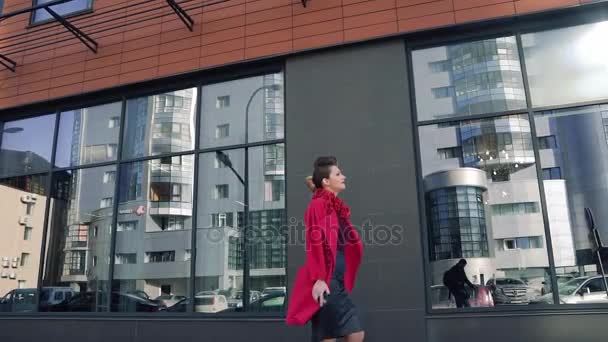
column 340, row 262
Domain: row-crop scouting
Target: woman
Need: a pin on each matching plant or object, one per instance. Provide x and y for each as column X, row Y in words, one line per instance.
column 333, row 255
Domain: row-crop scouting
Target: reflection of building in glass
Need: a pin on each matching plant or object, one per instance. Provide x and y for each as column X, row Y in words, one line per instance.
column 457, row 221
column 22, row 212
column 221, row 194
column 502, row 148
column 155, row 209
column 575, row 170
column 469, row 78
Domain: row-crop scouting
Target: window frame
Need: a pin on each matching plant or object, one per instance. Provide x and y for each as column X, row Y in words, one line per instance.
column 123, row 95
column 557, row 19
column 33, row 22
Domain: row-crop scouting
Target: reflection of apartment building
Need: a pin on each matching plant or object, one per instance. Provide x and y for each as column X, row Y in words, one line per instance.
column 572, row 143
column 470, row 78
column 513, row 243
column 22, row 215
column 221, row 195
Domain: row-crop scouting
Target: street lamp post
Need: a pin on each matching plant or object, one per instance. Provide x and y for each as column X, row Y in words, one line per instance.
column 226, row 161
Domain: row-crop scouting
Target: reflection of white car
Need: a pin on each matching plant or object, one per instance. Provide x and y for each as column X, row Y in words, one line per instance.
column 210, row 303
column 583, row 290
column 274, row 290
column 168, row 300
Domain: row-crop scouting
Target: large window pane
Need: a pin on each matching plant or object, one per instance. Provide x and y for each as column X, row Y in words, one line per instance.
column 267, row 228
column 483, row 206
column 219, row 244
column 62, row 9
column 580, row 155
column 567, row 65
column 78, row 243
column 468, row 78
column 152, row 260
column 159, row 124
column 22, row 211
column 88, row 135
column 227, row 106
column 26, row 145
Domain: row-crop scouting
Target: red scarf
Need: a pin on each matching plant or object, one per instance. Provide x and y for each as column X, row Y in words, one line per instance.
column 334, row 203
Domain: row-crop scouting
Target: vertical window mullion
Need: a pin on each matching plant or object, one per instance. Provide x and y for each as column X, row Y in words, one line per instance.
column 195, row 195
column 47, row 207
column 115, row 204
column 539, row 172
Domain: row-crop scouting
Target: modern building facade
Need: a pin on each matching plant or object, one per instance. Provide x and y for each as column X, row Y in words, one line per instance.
column 152, row 171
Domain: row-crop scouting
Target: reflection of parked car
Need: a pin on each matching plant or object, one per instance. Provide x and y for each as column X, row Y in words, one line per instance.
column 139, row 293
column 210, row 303
column 168, row 300
column 479, row 297
column 19, row 300
column 237, row 300
column 274, row 290
column 55, row 295
column 203, row 303
column 273, row 302
column 583, row 290
column 511, row 291
column 561, row 280
column 123, row 302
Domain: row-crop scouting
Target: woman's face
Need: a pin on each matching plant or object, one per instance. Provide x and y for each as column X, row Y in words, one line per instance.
column 336, row 181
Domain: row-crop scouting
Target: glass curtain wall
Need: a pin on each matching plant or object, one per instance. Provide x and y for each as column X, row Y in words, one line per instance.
column 116, row 208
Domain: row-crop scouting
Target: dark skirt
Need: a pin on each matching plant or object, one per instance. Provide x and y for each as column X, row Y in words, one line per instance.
column 338, row 317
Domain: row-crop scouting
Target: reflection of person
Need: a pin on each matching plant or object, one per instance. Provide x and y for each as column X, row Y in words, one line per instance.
column 333, row 254
column 455, row 279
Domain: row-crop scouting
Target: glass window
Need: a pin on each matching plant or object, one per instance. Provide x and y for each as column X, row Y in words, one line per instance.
column 63, row 9
column 468, row 78
column 219, row 263
column 27, row 233
column 573, row 176
column 222, row 131
column 470, row 213
column 257, row 100
column 75, row 213
column 84, row 136
column 567, row 65
column 267, row 221
column 126, row 226
column 158, row 124
column 26, row 145
column 222, row 102
column 221, row 191
column 154, row 226
column 552, row 173
column 547, row 142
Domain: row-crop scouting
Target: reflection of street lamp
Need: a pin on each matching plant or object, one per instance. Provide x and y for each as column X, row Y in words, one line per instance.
column 223, row 158
column 246, row 251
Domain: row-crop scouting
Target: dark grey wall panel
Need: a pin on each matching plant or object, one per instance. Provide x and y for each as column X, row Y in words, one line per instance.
column 353, row 103
column 520, row 328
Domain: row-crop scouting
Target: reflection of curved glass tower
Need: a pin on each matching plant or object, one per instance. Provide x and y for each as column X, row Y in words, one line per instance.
column 468, row 79
column 486, row 76
column 500, row 146
column 457, row 218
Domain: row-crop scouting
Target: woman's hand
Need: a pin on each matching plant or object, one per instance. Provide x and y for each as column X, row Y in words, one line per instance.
column 318, row 290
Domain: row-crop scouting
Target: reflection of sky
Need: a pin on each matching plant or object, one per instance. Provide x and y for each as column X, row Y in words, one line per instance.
column 36, row 136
